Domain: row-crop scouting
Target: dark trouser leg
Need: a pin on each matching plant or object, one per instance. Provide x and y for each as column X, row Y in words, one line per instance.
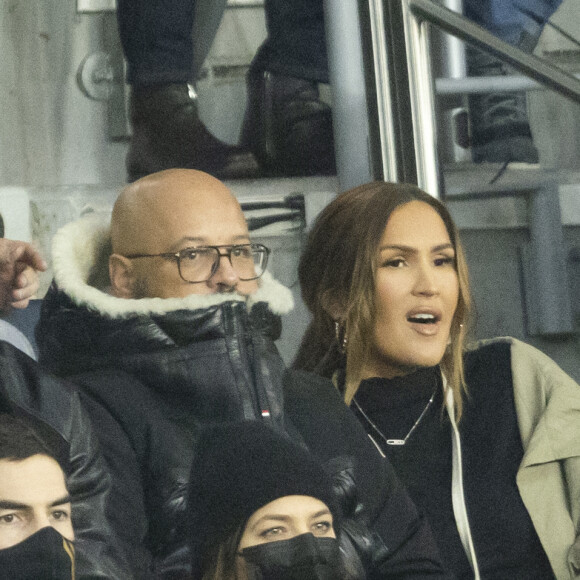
column 286, row 125
column 499, row 121
column 157, row 41
column 296, row 43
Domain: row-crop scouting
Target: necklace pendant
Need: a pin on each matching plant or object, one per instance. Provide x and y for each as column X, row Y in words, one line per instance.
column 395, row 442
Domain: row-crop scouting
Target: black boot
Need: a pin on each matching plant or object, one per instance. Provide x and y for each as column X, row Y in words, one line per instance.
column 500, row 130
column 287, row 126
column 167, row 133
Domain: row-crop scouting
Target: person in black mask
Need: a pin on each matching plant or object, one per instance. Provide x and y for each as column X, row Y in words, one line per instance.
column 263, row 508
column 36, row 532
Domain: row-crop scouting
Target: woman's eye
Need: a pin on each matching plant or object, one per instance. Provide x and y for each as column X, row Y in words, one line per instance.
column 322, row 528
column 271, row 532
column 394, row 263
column 445, row 260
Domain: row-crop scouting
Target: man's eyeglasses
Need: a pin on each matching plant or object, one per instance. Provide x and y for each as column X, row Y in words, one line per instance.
column 199, row 264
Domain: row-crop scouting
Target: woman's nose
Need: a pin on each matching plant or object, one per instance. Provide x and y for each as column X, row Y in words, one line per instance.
column 426, row 283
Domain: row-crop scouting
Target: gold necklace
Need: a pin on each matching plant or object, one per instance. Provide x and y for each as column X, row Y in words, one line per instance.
column 380, row 433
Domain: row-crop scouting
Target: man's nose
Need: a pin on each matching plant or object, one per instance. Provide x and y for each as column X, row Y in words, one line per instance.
column 39, row 522
column 225, row 277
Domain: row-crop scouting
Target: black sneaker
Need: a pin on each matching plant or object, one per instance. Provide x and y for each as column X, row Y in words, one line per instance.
column 500, row 129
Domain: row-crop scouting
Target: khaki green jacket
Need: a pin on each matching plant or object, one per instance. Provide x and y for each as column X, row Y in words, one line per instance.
column 547, row 404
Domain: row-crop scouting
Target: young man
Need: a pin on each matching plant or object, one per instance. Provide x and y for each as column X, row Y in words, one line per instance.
column 36, row 532
column 53, row 411
column 180, row 336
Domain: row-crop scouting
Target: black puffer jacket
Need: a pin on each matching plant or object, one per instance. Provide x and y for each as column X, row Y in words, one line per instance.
column 154, row 372
column 54, row 411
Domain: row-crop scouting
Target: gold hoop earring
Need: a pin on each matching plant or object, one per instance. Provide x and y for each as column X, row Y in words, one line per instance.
column 340, row 335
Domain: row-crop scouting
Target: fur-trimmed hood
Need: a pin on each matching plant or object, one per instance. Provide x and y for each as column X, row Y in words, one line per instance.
column 82, row 326
column 80, row 252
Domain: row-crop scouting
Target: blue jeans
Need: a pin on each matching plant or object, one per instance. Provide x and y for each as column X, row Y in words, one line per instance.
column 506, row 20
column 156, row 35
column 296, row 46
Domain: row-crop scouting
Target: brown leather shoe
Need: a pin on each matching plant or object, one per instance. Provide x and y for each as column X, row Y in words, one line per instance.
column 167, row 132
column 287, row 126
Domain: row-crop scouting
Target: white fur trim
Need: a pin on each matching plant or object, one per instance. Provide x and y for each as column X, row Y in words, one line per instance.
column 77, row 247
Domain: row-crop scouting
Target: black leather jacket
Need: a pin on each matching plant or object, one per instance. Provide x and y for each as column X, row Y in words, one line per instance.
column 55, row 412
column 153, row 372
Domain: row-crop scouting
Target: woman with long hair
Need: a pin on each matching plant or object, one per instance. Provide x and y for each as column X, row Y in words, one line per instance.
column 486, row 438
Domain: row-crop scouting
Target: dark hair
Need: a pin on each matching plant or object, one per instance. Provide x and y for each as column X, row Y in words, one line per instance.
column 337, row 272
column 219, row 563
column 19, row 441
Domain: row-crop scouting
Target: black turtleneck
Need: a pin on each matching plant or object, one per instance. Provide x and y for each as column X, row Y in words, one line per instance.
column 506, row 543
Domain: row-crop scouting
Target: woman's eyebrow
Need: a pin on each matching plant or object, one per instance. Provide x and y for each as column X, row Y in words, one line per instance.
column 398, row 247
column 411, row 250
column 324, row 512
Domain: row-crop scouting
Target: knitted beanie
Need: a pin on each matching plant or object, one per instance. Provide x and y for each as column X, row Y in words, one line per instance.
column 239, row 468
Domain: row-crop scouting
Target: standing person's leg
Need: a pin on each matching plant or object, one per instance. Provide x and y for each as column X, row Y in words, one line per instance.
column 519, row 22
column 499, row 121
column 287, row 125
column 156, row 40
column 156, row 36
column 296, row 43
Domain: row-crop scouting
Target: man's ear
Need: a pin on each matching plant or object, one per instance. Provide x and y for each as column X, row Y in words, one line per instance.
column 333, row 305
column 121, row 275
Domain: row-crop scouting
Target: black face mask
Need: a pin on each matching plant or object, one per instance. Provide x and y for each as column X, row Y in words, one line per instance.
column 303, row 557
column 45, row 554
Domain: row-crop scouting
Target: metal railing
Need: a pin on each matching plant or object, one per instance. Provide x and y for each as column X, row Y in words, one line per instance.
column 417, row 14
column 393, row 83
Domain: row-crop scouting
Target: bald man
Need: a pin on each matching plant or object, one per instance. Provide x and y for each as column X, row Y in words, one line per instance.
column 190, row 208
column 165, row 317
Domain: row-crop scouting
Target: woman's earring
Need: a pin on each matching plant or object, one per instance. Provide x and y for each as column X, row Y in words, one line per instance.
column 341, row 338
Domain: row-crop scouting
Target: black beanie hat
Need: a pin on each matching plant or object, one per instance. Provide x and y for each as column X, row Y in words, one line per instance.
column 239, row 468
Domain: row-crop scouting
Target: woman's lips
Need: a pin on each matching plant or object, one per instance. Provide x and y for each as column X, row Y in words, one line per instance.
column 425, row 322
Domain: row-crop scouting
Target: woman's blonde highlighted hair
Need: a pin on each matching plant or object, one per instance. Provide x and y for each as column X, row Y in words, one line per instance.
column 337, row 278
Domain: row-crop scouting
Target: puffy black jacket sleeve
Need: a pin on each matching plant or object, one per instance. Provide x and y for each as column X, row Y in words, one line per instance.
column 402, row 543
column 149, row 458
column 55, row 411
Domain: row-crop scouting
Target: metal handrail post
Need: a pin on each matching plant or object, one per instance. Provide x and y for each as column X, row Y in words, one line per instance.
column 383, row 82
column 421, row 92
column 417, row 13
column 349, row 105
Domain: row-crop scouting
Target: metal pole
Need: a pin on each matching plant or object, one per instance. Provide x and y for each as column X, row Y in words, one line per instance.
column 383, row 83
column 451, row 63
column 488, row 84
column 421, row 90
column 548, row 306
column 349, row 106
